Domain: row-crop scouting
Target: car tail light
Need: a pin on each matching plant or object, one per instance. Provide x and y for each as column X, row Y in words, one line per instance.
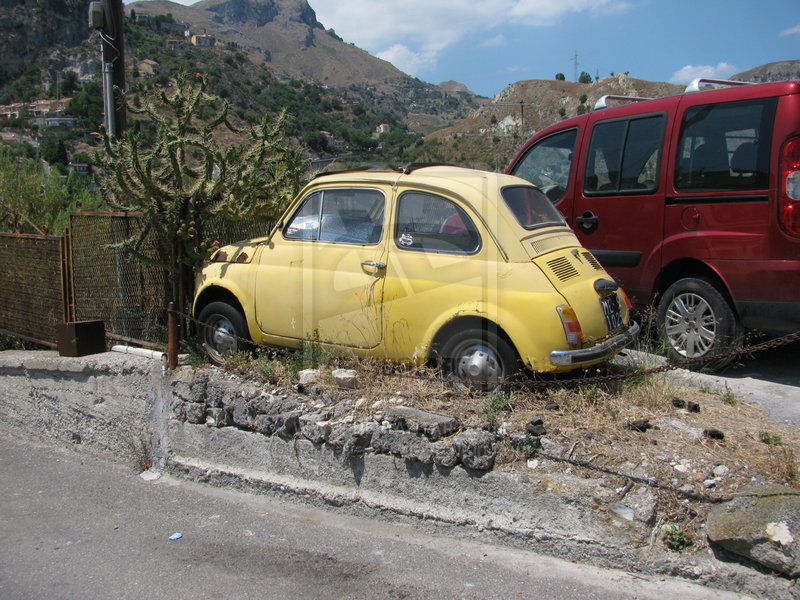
column 790, row 192
column 572, row 327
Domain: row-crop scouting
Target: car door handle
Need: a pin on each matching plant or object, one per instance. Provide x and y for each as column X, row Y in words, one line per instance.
column 372, row 264
column 588, row 221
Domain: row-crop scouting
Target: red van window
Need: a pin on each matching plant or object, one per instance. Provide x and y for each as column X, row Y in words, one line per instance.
column 624, row 156
column 725, row 146
column 547, row 165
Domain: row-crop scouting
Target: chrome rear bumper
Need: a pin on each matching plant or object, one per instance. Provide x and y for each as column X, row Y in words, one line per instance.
column 596, row 353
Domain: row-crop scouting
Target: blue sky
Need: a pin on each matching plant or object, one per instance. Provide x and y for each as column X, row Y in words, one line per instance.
column 488, row 44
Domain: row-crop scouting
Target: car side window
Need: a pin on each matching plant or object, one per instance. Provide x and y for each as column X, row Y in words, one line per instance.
column 547, row 165
column 624, row 156
column 725, row 146
column 430, row 223
column 346, row 216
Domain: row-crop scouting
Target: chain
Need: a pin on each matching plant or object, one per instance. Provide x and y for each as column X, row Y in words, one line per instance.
column 528, row 383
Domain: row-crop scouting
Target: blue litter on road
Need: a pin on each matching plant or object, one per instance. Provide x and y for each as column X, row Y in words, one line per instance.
column 175, row 536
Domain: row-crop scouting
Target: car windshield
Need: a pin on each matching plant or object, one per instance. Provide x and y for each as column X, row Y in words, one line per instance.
column 531, row 207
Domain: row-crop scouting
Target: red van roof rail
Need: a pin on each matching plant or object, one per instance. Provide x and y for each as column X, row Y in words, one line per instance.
column 602, row 102
column 695, row 85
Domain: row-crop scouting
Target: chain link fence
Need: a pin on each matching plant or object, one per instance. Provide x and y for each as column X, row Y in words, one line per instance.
column 83, row 276
column 32, row 286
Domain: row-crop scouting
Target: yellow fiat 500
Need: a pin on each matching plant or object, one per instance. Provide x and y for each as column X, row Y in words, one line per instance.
column 473, row 270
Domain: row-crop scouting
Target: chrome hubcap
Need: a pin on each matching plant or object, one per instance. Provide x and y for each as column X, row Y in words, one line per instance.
column 690, row 325
column 479, row 364
column 221, row 336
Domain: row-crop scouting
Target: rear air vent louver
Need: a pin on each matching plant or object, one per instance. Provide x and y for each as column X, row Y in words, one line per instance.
column 590, row 258
column 562, row 268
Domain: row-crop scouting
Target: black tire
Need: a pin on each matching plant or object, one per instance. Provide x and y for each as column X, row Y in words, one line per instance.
column 695, row 320
column 479, row 358
column 222, row 330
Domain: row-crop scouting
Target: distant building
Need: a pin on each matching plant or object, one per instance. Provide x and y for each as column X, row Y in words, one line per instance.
column 148, row 67
column 383, row 128
column 80, row 168
column 174, row 45
column 204, row 40
column 59, row 122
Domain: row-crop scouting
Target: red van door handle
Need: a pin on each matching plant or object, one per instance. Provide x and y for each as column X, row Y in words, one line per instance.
column 588, row 221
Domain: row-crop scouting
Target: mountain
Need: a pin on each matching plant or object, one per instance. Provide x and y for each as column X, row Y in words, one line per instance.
column 785, row 70
column 283, row 33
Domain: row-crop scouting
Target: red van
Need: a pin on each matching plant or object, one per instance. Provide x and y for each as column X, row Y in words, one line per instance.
column 691, row 202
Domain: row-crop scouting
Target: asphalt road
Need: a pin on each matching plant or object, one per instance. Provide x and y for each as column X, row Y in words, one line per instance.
column 74, row 527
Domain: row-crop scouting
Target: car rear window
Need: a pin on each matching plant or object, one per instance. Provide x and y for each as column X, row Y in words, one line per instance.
column 531, row 207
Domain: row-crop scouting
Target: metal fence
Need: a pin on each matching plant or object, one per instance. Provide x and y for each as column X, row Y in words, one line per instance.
column 82, row 276
column 32, row 286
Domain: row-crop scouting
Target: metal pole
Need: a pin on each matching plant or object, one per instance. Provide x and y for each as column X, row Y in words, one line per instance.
column 172, row 338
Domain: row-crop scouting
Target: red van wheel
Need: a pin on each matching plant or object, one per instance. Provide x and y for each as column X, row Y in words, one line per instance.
column 695, row 321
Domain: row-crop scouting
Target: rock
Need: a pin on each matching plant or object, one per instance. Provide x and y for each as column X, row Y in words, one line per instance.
column 444, row 454
column 346, row 378
column 552, row 406
column 308, row 376
column 281, row 424
column 721, row 471
column 763, row 524
column 353, row 439
column 678, row 403
column 550, row 448
column 315, row 427
column 217, row 417
column 404, row 444
column 195, row 413
column 536, row 427
column 714, row 434
column 476, row 449
column 641, row 425
column 430, row 424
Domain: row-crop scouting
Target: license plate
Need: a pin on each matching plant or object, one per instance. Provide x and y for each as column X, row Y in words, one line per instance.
column 611, row 312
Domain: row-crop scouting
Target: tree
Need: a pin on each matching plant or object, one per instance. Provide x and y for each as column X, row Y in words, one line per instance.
column 560, row 77
column 185, row 178
column 585, row 77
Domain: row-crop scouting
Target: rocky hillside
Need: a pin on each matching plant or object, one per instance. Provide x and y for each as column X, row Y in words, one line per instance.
column 784, row 70
column 491, row 135
column 37, row 37
column 286, row 36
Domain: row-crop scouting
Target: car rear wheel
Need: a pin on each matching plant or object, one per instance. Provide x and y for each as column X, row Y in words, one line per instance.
column 222, row 331
column 480, row 359
column 695, row 321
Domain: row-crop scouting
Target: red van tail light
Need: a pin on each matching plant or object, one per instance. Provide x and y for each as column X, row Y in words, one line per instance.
column 790, row 183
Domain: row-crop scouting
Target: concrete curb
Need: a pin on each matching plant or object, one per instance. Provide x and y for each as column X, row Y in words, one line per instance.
column 122, row 407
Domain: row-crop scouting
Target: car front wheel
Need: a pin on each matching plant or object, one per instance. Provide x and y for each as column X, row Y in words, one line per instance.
column 695, row 321
column 222, row 330
column 480, row 358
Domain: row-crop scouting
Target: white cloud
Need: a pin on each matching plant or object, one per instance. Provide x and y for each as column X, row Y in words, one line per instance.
column 691, row 72
column 791, row 31
column 418, row 31
column 494, row 42
column 407, row 60
column 515, row 68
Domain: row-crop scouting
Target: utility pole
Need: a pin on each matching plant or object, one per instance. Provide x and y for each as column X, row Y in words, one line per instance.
column 106, row 16
column 575, row 66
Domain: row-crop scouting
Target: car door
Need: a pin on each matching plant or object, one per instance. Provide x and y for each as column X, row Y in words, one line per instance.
column 322, row 275
column 618, row 207
column 437, row 262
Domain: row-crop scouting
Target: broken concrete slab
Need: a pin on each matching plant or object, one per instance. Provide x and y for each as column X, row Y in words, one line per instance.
column 762, row 524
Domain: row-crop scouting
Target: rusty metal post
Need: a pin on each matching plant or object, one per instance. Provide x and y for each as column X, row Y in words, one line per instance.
column 172, row 338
